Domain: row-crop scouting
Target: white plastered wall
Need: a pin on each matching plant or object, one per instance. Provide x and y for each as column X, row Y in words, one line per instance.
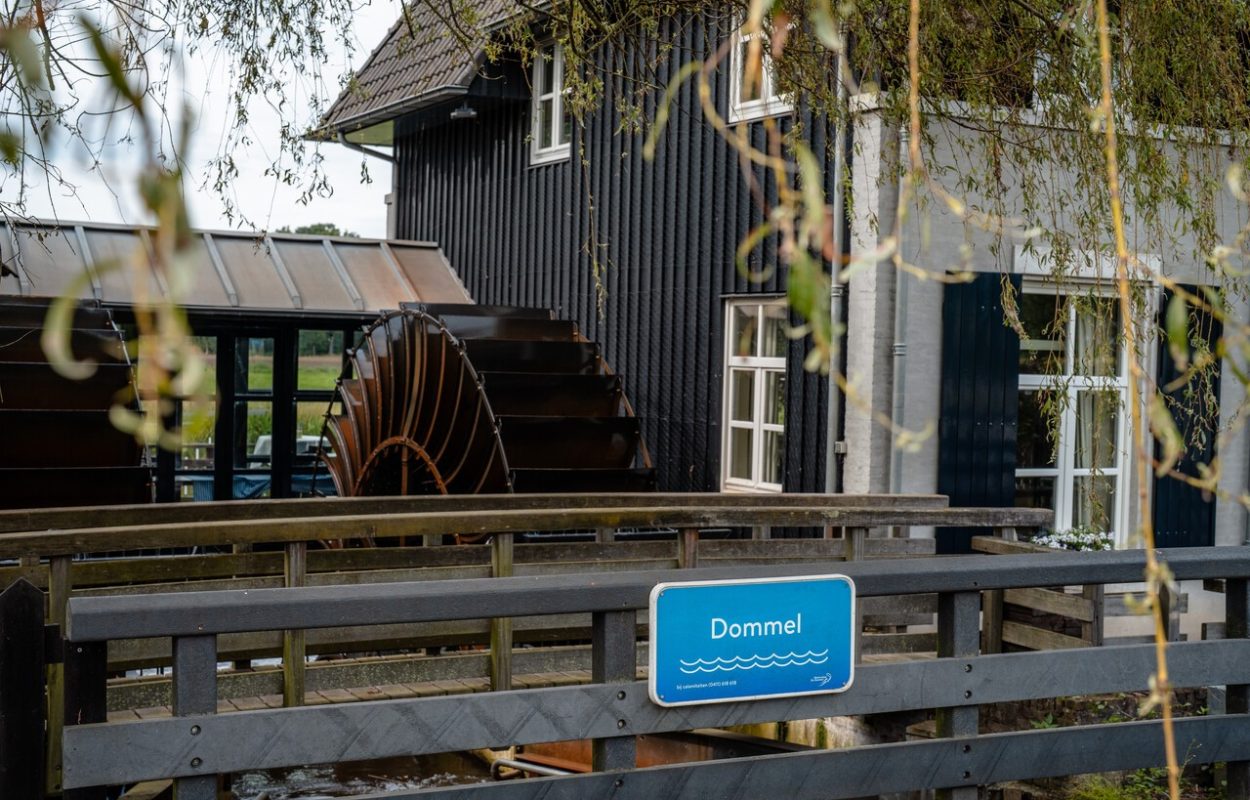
column 936, row 240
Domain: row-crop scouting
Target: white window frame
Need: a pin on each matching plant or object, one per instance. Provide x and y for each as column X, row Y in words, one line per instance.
column 548, row 56
column 769, row 103
column 760, row 366
column 1065, row 470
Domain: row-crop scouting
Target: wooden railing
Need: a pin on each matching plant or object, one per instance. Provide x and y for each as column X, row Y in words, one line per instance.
column 197, row 745
column 48, row 545
column 1012, row 616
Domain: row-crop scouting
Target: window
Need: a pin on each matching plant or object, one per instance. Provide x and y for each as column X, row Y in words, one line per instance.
column 552, row 126
column 757, row 98
column 1070, row 453
column 755, row 395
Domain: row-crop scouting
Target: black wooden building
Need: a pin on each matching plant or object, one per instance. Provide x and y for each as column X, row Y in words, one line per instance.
column 640, row 252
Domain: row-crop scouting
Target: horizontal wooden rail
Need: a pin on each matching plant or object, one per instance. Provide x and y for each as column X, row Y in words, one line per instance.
column 196, row 613
column 190, row 534
column 329, row 734
column 220, row 511
column 888, row 768
column 358, row 565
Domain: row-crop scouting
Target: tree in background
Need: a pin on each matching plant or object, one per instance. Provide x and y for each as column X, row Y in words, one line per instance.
column 319, row 229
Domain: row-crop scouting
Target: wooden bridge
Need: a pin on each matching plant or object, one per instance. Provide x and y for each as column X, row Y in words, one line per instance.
column 194, row 611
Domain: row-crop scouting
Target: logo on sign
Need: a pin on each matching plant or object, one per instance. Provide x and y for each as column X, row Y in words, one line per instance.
column 715, row 641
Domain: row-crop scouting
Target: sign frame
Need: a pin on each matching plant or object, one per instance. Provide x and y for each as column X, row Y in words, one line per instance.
column 653, row 630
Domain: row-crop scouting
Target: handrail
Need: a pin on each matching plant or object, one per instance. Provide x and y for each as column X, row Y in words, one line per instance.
column 196, row 744
column 237, row 611
column 301, row 529
column 42, row 519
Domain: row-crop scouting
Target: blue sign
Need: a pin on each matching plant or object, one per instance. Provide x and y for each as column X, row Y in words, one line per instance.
column 720, row 641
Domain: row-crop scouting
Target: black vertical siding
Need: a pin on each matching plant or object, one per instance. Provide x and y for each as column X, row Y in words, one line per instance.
column 1184, row 516
column 977, row 423
column 665, row 233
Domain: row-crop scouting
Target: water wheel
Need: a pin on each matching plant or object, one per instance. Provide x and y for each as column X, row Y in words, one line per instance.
column 467, row 399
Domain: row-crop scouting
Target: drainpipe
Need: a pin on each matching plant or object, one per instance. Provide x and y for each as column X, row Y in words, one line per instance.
column 841, row 246
column 365, row 150
column 899, row 350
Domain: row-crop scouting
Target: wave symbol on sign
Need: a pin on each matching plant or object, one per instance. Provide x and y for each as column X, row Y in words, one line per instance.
column 758, row 661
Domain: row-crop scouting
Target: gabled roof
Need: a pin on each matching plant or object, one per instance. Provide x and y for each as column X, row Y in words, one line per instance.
column 426, row 57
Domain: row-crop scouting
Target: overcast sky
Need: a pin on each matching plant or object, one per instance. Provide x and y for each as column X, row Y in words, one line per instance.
column 107, row 195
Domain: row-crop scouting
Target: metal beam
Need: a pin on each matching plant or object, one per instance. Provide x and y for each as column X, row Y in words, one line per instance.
column 284, row 274
column 219, row 266
column 345, row 277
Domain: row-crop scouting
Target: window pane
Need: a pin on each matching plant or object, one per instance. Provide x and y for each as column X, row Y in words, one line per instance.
column 320, row 359
column 208, row 359
column 749, row 85
column 775, row 397
column 742, row 395
column 253, row 365
column 199, row 423
column 566, row 126
column 775, row 340
column 544, row 123
column 1097, row 415
column 744, row 330
column 740, row 453
column 1037, row 429
column 1097, row 350
column 310, row 416
column 546, row 70
column 1045, row 326
column 1035, row 492
column 774, row 452
column 1093, row 502
column 253, row 426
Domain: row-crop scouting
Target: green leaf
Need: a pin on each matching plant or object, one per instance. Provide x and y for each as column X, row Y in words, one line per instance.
column 1177, row 324
column 1163, row 426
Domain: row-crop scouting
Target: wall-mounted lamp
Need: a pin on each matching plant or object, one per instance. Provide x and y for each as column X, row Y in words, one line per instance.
column 464, row 112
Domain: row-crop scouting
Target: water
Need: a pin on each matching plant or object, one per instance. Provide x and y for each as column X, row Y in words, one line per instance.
column 348, row 780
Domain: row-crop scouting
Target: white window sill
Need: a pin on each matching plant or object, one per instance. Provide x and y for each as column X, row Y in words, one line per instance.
column 550, row 155
column 758, row 109
column 746, row 488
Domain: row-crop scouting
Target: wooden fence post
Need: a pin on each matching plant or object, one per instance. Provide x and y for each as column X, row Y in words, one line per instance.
column 992, row 607
column 86, row 699
column 614, row 660
column 1237, row 626
column 501, row 566
column 1092, row 631
column 59, row 587
column 958, row 635
column 688, row 548
column 294, row 642
column 22, row 678
column 195, row 693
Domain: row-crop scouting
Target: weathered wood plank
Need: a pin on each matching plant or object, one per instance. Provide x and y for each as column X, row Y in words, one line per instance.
column 88, row 540
column 44, row 519
column 1037, row 638
column 1051, row 602
column 996, row 546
